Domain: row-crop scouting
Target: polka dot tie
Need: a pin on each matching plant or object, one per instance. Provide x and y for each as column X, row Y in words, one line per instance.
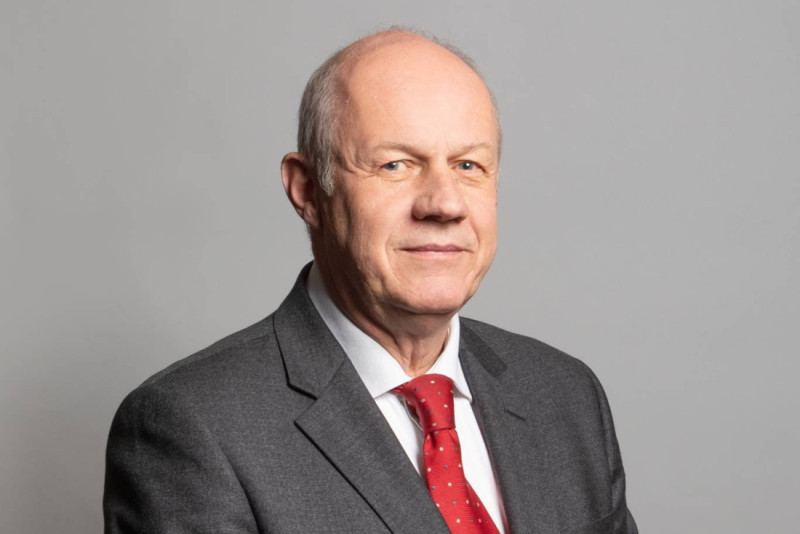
column 430, row 398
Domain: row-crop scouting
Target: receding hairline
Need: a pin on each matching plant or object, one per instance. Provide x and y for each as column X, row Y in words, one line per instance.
column 327, row 95
column 347, row 59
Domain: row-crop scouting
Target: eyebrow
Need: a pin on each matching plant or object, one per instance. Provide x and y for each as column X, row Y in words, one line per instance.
column 411, row 149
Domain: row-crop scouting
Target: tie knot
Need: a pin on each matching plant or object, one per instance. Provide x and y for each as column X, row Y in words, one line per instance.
column 431, row 397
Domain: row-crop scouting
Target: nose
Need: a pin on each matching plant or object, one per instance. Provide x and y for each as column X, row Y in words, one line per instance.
column 439, row 196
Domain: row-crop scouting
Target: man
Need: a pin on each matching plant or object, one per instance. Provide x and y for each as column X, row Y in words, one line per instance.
column 323, row 417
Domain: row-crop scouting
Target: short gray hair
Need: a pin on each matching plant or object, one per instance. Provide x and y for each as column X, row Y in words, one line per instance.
column 318, row 116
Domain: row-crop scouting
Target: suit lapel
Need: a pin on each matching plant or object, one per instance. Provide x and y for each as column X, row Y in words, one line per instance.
column 504, row 413
column 344, row 422
column 347, row 426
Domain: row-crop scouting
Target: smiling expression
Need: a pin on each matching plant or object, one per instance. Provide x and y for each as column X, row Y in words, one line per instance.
column 411, row 225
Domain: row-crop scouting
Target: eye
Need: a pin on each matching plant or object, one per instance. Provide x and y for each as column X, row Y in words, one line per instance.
column 392, row 166
column 466, row 166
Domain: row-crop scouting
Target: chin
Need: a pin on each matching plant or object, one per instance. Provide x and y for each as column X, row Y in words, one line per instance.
column 432, row 291
column 435, row 301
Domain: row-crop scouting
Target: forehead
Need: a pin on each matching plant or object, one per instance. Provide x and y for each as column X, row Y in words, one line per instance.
column 414, row 87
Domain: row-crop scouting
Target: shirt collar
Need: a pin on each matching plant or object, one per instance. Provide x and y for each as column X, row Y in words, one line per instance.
column 379, row 371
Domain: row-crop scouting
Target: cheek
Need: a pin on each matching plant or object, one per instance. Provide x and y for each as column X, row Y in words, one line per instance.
column 342, row 227
column 484, row 215
column 380, row 215
column 369, row 230
column 338, row 224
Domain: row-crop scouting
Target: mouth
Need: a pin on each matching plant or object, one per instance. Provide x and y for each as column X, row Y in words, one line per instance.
column 434, row 249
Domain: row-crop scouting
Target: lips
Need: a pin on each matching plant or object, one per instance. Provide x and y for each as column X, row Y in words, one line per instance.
column 443, row 249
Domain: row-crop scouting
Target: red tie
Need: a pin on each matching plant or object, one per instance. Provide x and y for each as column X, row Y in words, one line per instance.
column 431, row 398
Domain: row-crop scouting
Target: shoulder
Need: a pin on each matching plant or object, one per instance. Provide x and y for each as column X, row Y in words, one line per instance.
column 536, row 370
column 522, row 352
column 231, row 352
column 175, row 440
column 230, row 371
column 561, row 390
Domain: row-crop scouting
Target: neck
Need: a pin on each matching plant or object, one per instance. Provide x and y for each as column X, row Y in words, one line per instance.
column 415, row 340
column 416, row 347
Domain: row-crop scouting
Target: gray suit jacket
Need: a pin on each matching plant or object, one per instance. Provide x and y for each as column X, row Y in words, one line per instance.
column 272, row 430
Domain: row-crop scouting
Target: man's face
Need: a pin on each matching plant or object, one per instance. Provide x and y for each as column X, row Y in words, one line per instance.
column 411, row 225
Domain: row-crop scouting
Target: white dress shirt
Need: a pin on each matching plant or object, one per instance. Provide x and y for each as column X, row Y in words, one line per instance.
column 381, row 373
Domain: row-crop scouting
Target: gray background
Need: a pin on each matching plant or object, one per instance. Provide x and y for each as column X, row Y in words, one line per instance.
column 650, row 212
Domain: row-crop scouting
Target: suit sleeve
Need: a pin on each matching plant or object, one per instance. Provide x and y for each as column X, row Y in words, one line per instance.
column 165, row 472
column 623, row 522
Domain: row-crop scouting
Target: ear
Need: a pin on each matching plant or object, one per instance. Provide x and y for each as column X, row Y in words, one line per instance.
column 300, row 187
